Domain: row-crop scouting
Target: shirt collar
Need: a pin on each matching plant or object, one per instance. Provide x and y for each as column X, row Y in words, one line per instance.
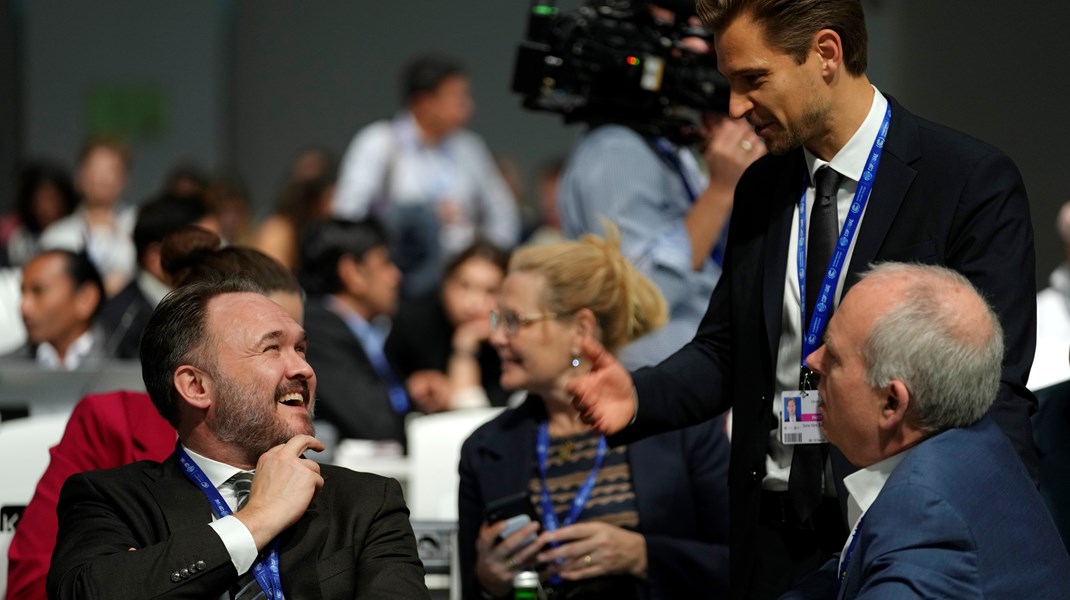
column 850, row 161
column 866, row 484
column 216, row 472
column 153, row 289
column 48, row 356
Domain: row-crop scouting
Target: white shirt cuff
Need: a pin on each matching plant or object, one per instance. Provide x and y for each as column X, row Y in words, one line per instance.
column 239, row 542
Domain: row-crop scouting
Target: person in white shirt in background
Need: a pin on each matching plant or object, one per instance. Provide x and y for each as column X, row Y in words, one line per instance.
column 1051, row 363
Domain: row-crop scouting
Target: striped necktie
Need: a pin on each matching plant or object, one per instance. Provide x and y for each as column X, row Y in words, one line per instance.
column 247, row 587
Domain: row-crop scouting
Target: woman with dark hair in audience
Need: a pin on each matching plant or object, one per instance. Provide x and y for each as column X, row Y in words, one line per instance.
column 46, row 194
column 117, row 428
column 306, row 197
column 439, row 343
column 649, row 520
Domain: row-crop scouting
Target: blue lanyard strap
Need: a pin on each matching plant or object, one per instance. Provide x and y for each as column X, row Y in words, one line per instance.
column 819, row 320
column 841, row 575
column 265, row 569
column 549, row 515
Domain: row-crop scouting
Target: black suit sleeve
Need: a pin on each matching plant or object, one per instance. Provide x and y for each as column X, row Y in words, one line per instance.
column 93, row 558
column 470, row 518
column 992, row 245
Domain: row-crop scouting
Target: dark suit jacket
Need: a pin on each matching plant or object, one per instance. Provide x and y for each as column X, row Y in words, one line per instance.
column 350, row 394
column 104, row 431
column 354, row 541
column 939, row 197
column 680, row 487
column 959, row 518
column 126, row 315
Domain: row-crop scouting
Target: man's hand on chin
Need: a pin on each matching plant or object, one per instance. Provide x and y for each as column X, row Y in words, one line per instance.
column 283, row 487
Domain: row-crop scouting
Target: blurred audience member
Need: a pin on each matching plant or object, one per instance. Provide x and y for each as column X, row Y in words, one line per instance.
column 438, row 343
column 10, row 316
column 427, row 177
column 61, row 294
column 126, row 313
column 100, row 226
column 1051, row 363
column 353, row 288
column 229, row 200
column 185, row 179
column 313, row 163
column 117, row 428
column 45, row 195
column 548, row 230
column 303, row 201
column 649, row 520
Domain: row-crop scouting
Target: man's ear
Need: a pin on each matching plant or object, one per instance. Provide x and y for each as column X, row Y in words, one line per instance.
column 829, row 49
column 895, row 405
column 86, row 299
column 195, row 386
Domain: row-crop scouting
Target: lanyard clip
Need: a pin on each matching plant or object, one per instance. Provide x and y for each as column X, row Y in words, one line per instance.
column 807, row 379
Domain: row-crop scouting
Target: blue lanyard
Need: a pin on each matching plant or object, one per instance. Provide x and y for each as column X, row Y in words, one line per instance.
column 668, row 152
column 372, row 343
column 819, row 320
column 266, row 571
column 841, row 576
column 549, row 515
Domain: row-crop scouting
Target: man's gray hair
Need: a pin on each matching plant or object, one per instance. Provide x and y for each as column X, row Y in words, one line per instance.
column 948, row 354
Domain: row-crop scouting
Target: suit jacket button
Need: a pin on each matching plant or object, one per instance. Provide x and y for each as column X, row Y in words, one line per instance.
column 185, row 573
column 176, row 577
column 201, row 565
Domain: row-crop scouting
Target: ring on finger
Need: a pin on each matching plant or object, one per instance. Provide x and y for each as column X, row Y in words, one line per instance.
column 746, row 145
column 587, row 560
column 511, row 563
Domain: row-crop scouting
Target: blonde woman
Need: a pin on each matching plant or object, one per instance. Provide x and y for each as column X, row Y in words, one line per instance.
column 645, row 521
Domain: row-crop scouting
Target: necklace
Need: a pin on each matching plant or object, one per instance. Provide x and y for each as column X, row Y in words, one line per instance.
column 566, row 451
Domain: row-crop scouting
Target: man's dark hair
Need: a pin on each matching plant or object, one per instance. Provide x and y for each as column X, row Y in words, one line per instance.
column 323, row 245
column 165, row 214
column 107, row 142
column 81, row 271
column 423, row 74
column 791, row 24
column 36, row 175
column 176, row 334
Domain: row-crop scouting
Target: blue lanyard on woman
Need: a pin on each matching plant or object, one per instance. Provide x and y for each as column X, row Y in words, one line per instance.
column 819, row 319
column 549, row 515
column 266, row 571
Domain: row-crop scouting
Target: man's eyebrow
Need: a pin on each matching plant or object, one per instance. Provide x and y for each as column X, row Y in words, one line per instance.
column 271, row 336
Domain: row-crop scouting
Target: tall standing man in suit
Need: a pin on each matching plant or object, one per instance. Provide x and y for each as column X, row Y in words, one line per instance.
column 909, row 367
column 852, row 177
column 236, row 511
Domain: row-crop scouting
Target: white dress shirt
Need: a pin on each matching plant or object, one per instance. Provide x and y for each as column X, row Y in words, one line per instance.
column 863, row 487
column 850, row 162
column 48, row 357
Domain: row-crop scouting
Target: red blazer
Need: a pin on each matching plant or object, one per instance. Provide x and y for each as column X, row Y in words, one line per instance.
column 104, row 431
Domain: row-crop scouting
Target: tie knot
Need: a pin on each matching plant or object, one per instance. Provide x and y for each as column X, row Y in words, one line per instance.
column 242, row 483
column 827, row 182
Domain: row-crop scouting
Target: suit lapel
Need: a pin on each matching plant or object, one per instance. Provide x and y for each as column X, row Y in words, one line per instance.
column 785, row 191
column 509, row 463
column 179, row 500
column 894, row 177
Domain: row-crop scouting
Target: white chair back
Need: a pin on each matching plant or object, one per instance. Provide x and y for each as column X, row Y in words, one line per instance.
column 434, row 453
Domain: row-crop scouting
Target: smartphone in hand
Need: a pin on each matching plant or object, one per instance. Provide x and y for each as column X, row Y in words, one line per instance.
column 515, row 510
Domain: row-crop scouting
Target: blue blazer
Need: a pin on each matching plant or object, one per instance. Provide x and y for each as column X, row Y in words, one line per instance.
column 681, row 487
column 958, row 518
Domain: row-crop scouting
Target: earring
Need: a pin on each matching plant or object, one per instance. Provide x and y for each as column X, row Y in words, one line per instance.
column 575, row 361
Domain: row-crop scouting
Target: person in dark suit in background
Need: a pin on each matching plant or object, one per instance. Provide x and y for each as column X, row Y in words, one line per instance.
column 940, row 506
column 353, row 287
column 236, row 506
column 797, row 74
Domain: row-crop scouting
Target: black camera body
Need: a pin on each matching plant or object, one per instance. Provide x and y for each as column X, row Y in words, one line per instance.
column 611, row 61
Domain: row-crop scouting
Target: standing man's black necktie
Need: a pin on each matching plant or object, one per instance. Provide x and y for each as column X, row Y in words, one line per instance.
column 247, row 587
column 808, row 460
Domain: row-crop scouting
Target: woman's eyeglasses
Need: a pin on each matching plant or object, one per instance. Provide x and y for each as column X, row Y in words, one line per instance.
column 512, row 322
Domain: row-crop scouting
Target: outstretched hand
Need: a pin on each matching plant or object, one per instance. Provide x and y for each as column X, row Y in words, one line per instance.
column 605, row 397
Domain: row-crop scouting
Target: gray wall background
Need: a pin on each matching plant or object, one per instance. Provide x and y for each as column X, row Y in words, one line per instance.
column 248, row 84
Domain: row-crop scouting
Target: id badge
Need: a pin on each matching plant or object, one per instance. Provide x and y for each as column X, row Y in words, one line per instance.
column 800, row 422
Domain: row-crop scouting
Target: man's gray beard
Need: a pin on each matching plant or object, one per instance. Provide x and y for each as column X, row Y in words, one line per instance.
column 248, row 422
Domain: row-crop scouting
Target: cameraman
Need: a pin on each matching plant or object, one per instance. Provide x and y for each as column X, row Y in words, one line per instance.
column 671, row 216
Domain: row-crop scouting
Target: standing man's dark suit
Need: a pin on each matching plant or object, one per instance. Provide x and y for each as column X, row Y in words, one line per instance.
column 939, row 197
column 352, row 396
column 354, row 541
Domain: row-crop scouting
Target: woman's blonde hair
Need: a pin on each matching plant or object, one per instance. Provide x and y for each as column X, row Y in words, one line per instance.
column 591, row 273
